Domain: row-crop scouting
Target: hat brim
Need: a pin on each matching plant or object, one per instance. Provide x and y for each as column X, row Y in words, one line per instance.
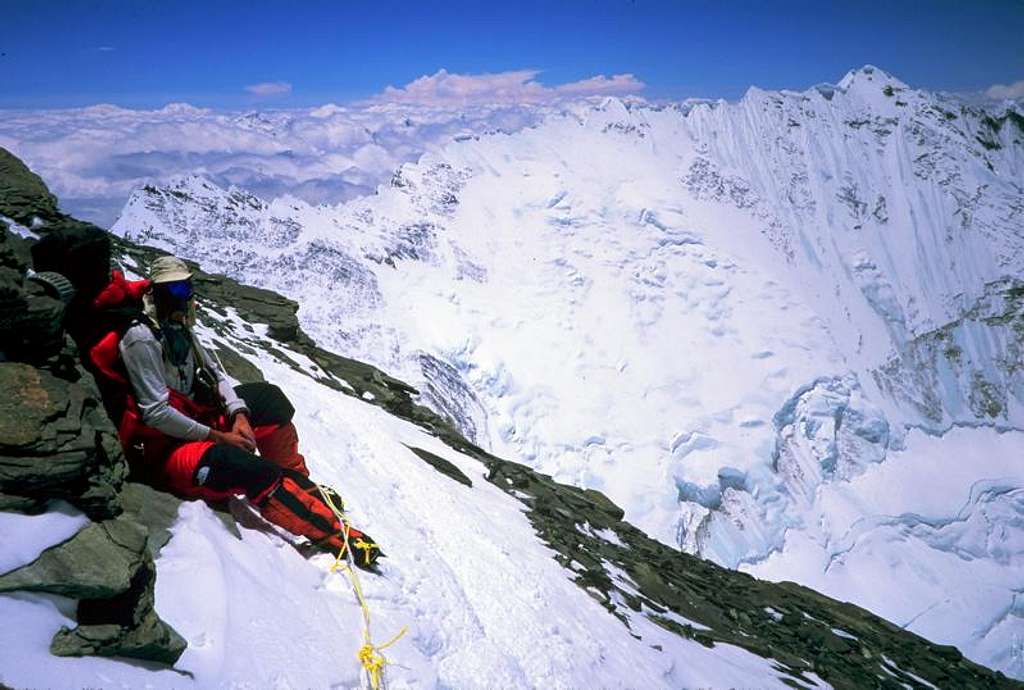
column 171, row 277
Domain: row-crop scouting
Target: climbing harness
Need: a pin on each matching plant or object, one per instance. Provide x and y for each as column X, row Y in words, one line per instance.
column 369, row 654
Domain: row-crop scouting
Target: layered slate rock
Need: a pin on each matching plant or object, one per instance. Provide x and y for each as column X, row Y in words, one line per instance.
column 441, row 465
column 30, row 318
column 23, row 194
column 109, row 569
column 156, row 510
column 56, row 442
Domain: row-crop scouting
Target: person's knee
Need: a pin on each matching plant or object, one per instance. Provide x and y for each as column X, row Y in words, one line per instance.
column 225, row 468
column 280, row 445
column 266, row 402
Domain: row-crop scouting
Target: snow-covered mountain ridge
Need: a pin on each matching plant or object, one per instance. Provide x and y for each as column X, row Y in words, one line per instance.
column 727, row 317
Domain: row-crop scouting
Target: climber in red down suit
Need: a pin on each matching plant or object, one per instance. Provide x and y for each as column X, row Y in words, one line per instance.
column 209, row 431
column 184, row 427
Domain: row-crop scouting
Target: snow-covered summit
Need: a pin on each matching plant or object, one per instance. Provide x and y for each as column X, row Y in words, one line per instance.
column 729, row 317
column 870, row 77
column 183, row 110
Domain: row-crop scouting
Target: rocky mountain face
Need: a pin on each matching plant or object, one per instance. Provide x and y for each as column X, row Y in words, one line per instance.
column 59, row 447
column 734, row 319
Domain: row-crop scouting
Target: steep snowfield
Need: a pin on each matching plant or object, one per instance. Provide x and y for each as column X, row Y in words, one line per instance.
column 721, row 315
column 485, row 603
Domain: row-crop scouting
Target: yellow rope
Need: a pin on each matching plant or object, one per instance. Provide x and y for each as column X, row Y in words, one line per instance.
column 369, row 654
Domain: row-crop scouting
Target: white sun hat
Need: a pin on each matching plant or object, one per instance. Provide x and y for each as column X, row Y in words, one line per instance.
column 168, row 269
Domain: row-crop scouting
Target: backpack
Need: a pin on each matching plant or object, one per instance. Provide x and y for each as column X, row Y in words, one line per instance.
column 80, row 253
column 105, row 305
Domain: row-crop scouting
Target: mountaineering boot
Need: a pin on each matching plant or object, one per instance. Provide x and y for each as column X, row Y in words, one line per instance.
column 365, row 550
column 292, row 507
column 296, row 510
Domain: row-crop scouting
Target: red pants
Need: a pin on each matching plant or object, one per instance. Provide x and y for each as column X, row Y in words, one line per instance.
column 179, row 473
column 276, row 481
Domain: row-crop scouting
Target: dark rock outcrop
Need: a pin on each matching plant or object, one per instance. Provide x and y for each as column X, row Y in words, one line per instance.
column 155, row 510
column 109, row 569
column 23, row 195
column 30, row 318
column 97, row 563
column 441, row 465
column 56, row 442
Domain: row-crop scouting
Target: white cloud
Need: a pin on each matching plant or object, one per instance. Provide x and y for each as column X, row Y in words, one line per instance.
column 92, row 158
column 106, row 49
column 617, row 84
column 1001, row 91
column 444, row 89
column 269, row 88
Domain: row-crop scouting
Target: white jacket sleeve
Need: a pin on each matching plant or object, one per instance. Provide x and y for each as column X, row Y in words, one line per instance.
column 143, row 358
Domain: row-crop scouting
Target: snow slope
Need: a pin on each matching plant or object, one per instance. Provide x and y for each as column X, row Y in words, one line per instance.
column 485, row 602
column 718, row 314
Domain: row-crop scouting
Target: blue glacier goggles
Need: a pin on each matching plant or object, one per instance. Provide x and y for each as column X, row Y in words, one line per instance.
column 180, row 290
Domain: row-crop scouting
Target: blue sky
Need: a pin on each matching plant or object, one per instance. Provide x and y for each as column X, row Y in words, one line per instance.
column 146, row 54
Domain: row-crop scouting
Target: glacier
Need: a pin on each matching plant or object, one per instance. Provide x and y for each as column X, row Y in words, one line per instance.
column 783, row 333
